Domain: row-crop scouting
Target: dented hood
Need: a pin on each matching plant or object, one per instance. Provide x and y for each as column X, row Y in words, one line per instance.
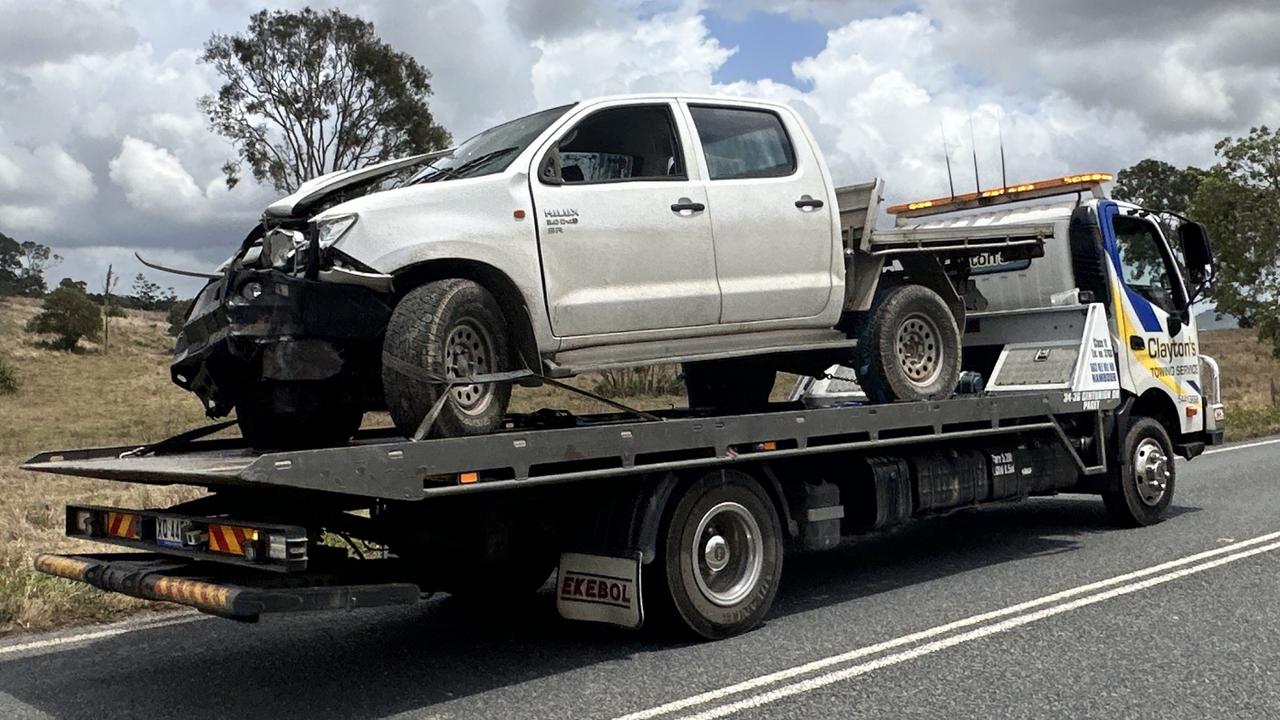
column 316, row 190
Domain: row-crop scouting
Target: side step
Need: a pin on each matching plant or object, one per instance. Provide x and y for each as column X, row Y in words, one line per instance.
column 227, row 591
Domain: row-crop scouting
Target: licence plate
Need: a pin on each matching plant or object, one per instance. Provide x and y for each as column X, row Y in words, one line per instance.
column 170, row 531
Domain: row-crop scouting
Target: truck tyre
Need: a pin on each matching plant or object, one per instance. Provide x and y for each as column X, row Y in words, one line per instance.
column 450, row 328
column 1146, row 475
column 908, row 347
column 721, row 555
column 728, row 384
column 267, row 428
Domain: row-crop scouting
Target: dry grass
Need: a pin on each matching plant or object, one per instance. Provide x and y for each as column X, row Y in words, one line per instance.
column 1250, row 382
column 68, row 400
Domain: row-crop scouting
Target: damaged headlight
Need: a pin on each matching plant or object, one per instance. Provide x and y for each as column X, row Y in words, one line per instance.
column 282, row 246
column 332, row 229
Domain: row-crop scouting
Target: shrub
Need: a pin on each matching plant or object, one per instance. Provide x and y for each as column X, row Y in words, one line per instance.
column 116, row 311
column 650, row 381
column 178, row 316
column 69, row 315
column 8, row 378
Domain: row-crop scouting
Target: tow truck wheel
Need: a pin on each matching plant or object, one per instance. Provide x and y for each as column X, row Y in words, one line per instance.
column 908, row 347
column 1146, row 476
column 721, row 555
column 447, row 328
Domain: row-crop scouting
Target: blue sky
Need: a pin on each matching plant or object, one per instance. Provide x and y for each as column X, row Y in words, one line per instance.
column 767, row 43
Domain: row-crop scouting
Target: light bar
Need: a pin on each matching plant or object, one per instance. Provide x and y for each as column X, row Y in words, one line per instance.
column 1010, row 193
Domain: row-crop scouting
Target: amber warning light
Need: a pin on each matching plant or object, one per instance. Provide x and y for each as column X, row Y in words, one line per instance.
column 1009, row 193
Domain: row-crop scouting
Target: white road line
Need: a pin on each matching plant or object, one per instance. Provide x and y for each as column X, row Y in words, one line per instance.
column 1245, row 446
column 977, row 634
column 96, row 634
column 809, row 667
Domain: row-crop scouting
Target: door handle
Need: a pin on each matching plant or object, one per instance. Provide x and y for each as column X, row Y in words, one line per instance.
column 1137, row 343
column 686, row 205
column 808, row 202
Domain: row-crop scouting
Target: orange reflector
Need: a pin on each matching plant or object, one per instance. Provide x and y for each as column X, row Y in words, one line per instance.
column 230, row 538
column 518, row 214
column 123, row 525
column 767, row 445
column 1192, row 411
column 467, row 478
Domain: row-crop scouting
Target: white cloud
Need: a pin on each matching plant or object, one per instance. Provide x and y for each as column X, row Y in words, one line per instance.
column 155, row 182
column 102, row 145
column 53, row 30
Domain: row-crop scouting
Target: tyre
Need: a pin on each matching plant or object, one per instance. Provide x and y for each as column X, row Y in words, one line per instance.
column 450, row 328
column 1146, row 476
column 728, row 384
column 266, row 427
column 721, row 556
column 908, row 347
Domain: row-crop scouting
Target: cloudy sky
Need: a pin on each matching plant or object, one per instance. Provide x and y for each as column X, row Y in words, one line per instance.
column 103, row 150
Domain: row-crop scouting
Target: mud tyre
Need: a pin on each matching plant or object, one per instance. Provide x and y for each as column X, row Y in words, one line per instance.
column 908, row 347
column 448, row 328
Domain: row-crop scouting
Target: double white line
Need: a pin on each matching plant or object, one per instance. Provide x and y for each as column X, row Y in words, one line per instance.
column 806, row 678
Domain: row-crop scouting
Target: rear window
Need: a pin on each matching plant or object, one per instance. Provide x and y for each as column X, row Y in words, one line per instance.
column 743, row 143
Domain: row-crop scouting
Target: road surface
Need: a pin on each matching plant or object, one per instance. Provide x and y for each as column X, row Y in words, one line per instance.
column 1027, row 610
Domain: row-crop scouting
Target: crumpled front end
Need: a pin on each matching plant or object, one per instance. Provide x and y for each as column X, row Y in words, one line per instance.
column 259, row 330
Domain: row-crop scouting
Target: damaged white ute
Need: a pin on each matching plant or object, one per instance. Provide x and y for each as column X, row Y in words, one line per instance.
column 619, row 231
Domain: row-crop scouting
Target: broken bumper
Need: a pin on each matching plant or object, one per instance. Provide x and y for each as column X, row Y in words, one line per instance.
column 258, row 325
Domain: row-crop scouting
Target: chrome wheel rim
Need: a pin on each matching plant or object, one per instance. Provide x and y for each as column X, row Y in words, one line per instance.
column 919, row 350
column 1151, row 471
column 468, row 352
column 727, row 554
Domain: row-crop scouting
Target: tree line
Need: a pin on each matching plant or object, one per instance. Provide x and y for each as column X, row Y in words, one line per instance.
column 1238, row 200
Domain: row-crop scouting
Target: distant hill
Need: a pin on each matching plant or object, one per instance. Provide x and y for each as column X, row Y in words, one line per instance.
column 1211, row 320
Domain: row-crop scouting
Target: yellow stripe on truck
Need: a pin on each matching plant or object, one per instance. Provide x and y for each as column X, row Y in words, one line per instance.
column 193, row 593
column 62, row 566
column 1127, row 326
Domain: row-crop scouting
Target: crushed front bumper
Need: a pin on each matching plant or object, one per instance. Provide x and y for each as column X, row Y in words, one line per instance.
column 253, row 325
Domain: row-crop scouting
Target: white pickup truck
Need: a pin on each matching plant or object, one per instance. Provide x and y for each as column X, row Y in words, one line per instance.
column 618, row 231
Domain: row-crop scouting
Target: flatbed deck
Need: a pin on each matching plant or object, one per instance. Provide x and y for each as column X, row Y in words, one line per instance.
column 575, row 448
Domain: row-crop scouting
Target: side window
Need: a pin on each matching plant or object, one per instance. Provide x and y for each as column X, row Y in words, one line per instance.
column 742, row 143
column 1145, row 264
column 636, row 142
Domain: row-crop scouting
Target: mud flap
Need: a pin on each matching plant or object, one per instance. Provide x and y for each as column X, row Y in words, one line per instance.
column 596, row 588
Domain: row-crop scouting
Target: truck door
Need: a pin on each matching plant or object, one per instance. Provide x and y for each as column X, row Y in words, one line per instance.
column 623, row 230
column 1156, row 331
column 770, row 213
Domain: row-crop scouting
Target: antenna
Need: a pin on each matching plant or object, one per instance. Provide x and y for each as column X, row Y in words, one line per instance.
column 1004, row 177
column 977, row 184
column 946, row 153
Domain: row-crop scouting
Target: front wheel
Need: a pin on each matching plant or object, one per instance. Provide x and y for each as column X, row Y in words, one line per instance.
column 452, row 329
column 721, row 556
column 1145, row 473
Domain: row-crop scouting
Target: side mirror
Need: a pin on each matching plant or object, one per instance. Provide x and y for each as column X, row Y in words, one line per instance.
column 1196, row 253
column 549, row 173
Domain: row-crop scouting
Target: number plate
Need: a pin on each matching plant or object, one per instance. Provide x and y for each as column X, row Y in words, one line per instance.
column 169, row 531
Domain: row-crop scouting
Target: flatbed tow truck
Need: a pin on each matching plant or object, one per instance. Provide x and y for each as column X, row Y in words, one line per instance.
column 687, row 514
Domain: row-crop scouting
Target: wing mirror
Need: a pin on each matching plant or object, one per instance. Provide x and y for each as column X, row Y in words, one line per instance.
column 1197, row 254
column 550, row 172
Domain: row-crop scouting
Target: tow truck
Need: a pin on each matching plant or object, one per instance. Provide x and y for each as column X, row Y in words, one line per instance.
column 1082, row 374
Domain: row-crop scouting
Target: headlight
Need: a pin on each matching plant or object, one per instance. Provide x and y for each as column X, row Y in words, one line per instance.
column 281, row 244
column 332, row 229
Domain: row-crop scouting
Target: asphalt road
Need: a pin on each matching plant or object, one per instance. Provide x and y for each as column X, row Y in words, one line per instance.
column 1036, row 610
